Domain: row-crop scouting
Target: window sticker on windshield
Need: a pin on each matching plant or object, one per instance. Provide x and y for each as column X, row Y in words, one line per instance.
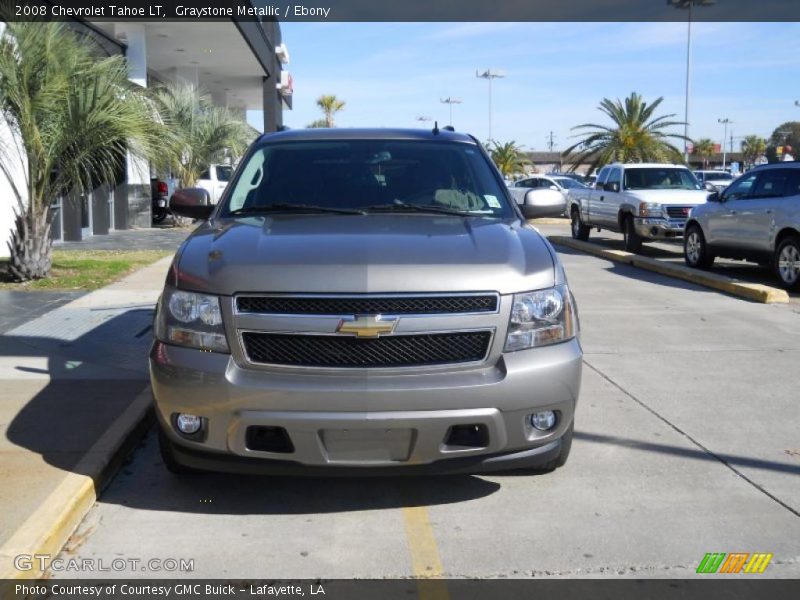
column 492, row 200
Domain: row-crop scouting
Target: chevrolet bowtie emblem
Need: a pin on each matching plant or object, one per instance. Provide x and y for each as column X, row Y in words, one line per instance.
column 367, row 326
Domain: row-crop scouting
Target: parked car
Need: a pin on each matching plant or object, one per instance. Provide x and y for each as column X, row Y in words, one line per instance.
column 719, row 179
column 756, row 218
column 159, row 197
column 571, row 175
column 644, row 201
column 543, row 204
column 364, row 301
column 214, row 180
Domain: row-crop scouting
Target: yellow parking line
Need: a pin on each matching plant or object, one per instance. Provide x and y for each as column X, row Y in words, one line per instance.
column 425, row 561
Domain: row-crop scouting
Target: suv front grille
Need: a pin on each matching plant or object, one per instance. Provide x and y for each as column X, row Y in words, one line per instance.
column 678, row 212
column 344, row 351
column 395, row 305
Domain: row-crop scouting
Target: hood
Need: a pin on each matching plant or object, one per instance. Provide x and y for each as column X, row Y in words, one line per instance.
column 364, row 254
column 667, row 197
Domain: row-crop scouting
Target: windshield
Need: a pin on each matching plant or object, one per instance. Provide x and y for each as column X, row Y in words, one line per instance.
column 224, row 173
column 568, row 183
column 658, row 178
column 717, row 175
column 368, row 175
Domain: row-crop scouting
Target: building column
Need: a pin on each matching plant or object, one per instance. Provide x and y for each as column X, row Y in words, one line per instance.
column 273, row 109
column 132, row 200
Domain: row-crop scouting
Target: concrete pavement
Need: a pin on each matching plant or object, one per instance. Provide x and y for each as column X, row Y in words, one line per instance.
column 686, row 443
column 67, row 377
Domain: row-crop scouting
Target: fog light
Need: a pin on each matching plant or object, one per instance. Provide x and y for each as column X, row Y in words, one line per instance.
column 188, row 424
column 543, row 421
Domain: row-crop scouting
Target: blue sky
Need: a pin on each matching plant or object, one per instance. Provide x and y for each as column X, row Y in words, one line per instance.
column 556, row 73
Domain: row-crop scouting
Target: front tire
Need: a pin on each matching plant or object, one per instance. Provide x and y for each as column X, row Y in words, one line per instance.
column 566, row 446
column 632, row 241
column 579, row 230
column 168, row 456
column 695, row 249
column 159, row 214
column 787, row 262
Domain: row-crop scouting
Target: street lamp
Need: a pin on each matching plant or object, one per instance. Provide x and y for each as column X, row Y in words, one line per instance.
column 489, row 74
column 688, row 4
column 450, row 100
column 423, row 118
column 725, row 122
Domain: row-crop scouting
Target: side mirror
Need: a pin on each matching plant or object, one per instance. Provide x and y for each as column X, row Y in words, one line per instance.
column 710, row 187
column 714, row 197
column 611, row 187
column 194, row 203
column 554, row 187
column 543, row 203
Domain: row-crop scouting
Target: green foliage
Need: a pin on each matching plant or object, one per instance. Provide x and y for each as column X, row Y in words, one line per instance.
column 753, row 146
column 203, row 133
column 785, row 134
column 705, row 149
column 634, row 135
column 508, row 157
column 73, row 118
column 329, row 105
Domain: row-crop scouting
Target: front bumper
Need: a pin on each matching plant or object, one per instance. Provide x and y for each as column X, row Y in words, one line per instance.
column 364, row 423
column 659, row 228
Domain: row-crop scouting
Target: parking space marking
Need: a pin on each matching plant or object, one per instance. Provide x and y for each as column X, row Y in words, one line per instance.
column 425, row 560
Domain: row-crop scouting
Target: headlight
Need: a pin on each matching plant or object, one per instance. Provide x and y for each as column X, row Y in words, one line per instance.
column 541, row 318
column 650, row 209
column 191, row 319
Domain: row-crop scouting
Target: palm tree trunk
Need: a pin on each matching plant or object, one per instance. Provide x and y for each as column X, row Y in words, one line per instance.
column 31, row 247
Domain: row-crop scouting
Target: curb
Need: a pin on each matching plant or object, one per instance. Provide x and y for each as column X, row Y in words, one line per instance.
column 549, row 221
column 750, row 291
column 48, row 528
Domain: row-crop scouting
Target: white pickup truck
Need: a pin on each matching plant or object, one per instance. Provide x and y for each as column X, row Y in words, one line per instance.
column 643, row 201
column 214, row 180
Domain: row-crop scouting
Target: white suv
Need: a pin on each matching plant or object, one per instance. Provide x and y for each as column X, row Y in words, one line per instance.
column 756, row 218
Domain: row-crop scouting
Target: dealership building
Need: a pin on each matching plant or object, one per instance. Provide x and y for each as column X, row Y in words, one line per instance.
column 242, row 65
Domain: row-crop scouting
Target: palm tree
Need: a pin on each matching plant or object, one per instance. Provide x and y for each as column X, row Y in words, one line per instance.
column 330, row 105
column 317, row 123
column 204, row 133
column 753, row 146
column 704, row 148
column 508, row 157
column 73, row 118
column 634, row 135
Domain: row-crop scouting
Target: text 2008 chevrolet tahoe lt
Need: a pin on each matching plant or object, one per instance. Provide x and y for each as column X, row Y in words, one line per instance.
column 369, row 302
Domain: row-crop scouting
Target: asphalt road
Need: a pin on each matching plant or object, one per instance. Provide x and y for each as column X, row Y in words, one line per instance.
column 686, row 443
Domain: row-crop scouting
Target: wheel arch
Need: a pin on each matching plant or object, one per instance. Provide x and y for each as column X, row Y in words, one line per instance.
column 784, row 233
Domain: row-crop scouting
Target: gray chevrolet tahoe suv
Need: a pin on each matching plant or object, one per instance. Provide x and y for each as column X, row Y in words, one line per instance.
column 364, row 301
column 756, row 218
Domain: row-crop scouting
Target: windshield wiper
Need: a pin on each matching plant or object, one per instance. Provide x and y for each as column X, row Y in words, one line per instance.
column 421, row 208
column 286, row 207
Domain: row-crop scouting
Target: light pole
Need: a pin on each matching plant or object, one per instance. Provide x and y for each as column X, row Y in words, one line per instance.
column 489, row 74
column 725, row 122
column 423, row 119
column 450, row 100
column 688, row 4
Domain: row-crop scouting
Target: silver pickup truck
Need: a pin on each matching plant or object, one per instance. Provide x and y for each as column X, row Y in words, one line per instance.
column 365, row 301
column 643, row 201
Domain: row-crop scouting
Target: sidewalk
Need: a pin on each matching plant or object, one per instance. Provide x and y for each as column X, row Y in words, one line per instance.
column 74, row 381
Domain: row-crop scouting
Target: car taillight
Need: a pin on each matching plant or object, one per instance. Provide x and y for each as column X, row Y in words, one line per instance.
column 162, row 188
